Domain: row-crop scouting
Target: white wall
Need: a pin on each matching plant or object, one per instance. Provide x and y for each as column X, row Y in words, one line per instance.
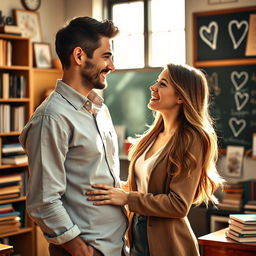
column 54, row 13
column 75, row 8
column 249, row 168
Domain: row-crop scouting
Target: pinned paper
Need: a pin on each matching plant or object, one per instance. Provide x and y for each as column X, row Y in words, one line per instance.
column 234, row 162
column 251, row 39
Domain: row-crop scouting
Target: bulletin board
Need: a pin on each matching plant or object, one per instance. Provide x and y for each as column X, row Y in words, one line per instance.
column 220, row 47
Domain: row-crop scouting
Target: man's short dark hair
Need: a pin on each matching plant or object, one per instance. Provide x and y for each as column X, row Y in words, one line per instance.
column 84, row 32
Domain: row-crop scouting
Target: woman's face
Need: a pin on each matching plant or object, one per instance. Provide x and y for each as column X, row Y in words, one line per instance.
column 163, row 94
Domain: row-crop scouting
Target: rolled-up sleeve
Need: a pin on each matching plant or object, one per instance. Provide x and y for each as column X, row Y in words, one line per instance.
column 45, row 140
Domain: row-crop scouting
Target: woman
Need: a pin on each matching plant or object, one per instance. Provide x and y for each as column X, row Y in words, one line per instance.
column 172, row 167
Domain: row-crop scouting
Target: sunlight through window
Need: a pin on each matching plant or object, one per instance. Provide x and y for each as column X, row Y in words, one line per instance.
column 164, row 40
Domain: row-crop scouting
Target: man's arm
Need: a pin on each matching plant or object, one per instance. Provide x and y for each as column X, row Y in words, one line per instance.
column 77, row 247
column 45, row 140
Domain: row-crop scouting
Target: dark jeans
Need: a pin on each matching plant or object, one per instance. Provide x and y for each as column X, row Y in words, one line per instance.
column 57, row 250
column 139, row 236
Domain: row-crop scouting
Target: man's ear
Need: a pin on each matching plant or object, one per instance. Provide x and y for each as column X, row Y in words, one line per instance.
column 79, row 55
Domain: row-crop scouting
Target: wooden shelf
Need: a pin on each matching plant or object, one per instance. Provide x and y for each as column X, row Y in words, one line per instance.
column 13, row 200
column 14, row 67
column 23, row 240
column 2, row 134
column 15, row 100
column 221, row 63
column 47, row 70
column 8, row 166
column 13, row 37
column 20, row 231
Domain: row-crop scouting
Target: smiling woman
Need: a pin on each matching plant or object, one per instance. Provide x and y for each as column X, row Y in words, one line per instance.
column 172, row 167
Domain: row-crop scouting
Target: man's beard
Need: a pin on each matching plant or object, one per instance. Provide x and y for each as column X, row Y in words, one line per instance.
column 91, row 76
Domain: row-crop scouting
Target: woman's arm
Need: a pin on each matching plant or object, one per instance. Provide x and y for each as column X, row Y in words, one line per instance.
column 105, row 194
column 175, row 204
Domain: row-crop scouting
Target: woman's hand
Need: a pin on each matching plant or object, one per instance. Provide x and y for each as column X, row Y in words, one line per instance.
column 105, row 194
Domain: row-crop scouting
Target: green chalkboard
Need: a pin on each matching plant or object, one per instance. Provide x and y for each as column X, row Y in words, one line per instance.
column 127, row 96
column 222, row 34
column 233, row 92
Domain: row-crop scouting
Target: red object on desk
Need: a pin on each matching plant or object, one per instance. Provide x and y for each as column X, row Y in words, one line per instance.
column 127, row 146
column 217, row 244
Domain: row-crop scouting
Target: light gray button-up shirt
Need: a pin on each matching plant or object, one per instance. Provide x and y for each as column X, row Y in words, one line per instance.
column 71, row 144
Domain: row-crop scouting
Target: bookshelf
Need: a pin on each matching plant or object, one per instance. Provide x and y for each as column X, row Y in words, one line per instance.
column 16, row 62
column 43, row 79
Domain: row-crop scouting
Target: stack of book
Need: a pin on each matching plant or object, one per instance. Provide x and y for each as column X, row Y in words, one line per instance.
column 11, row 186
column 6, row 52
column 12, row 86
column 242, row 228
column 10, row 30
column 13, row 154
column 12, row 118
column 233, row 197
column 250, row 207
column 10, row 220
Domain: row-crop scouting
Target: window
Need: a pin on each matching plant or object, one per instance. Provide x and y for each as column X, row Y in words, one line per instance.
column 152, row 32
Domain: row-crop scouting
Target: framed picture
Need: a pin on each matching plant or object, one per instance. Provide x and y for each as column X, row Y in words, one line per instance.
column 234, row 161
column 42, row 55
column 30, row 25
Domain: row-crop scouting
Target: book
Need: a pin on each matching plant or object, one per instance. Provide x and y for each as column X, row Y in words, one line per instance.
column 10, row 178
column 9, row 196
column 230, row 207
column 241, row 225
column 233, row 232
column 8, row 219
column 241, row 230
column 19, row 159
column 250, row 205
column 10, row 29
column 244, row 218
column 16, row 213
column 10, row 190
column 241, row 239
column 12, row 148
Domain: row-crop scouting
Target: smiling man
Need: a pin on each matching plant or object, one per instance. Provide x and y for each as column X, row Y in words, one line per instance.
column 71, row 145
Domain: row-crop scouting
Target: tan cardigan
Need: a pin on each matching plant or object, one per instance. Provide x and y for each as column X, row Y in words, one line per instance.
column 167, row 204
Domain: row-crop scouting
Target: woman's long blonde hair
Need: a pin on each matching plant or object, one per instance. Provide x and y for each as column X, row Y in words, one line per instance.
column 195, row 124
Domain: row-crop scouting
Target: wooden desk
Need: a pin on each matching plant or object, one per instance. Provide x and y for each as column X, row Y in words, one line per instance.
column 217, row 244
column 5, row 250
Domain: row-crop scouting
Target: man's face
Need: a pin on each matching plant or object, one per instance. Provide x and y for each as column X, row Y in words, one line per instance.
column 95, row 70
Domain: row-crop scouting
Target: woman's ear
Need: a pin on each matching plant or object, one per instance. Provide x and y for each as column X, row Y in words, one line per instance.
column 78, row 55
column 179, row 101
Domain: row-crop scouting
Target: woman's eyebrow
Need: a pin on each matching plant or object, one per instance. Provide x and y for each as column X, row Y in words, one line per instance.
column 163, row 79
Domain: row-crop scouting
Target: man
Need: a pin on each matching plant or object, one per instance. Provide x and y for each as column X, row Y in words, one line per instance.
column 71, row 145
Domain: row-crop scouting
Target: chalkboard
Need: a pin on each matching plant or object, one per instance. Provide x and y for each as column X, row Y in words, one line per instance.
column 127, row 96
column 221, row 34
column 233, row 91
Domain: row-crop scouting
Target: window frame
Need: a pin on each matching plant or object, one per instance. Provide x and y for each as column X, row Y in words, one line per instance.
column 108, row 14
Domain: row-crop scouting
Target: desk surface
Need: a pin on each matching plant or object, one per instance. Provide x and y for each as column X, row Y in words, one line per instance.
column 218, row 238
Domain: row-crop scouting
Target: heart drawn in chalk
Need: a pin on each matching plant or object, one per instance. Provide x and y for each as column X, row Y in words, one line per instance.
column 209, row 34
column 239, row 79
column 241, row 99
column 237, row 31
column 236, row 125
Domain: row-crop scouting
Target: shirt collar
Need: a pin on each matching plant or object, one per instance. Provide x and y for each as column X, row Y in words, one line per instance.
column 92, row 103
